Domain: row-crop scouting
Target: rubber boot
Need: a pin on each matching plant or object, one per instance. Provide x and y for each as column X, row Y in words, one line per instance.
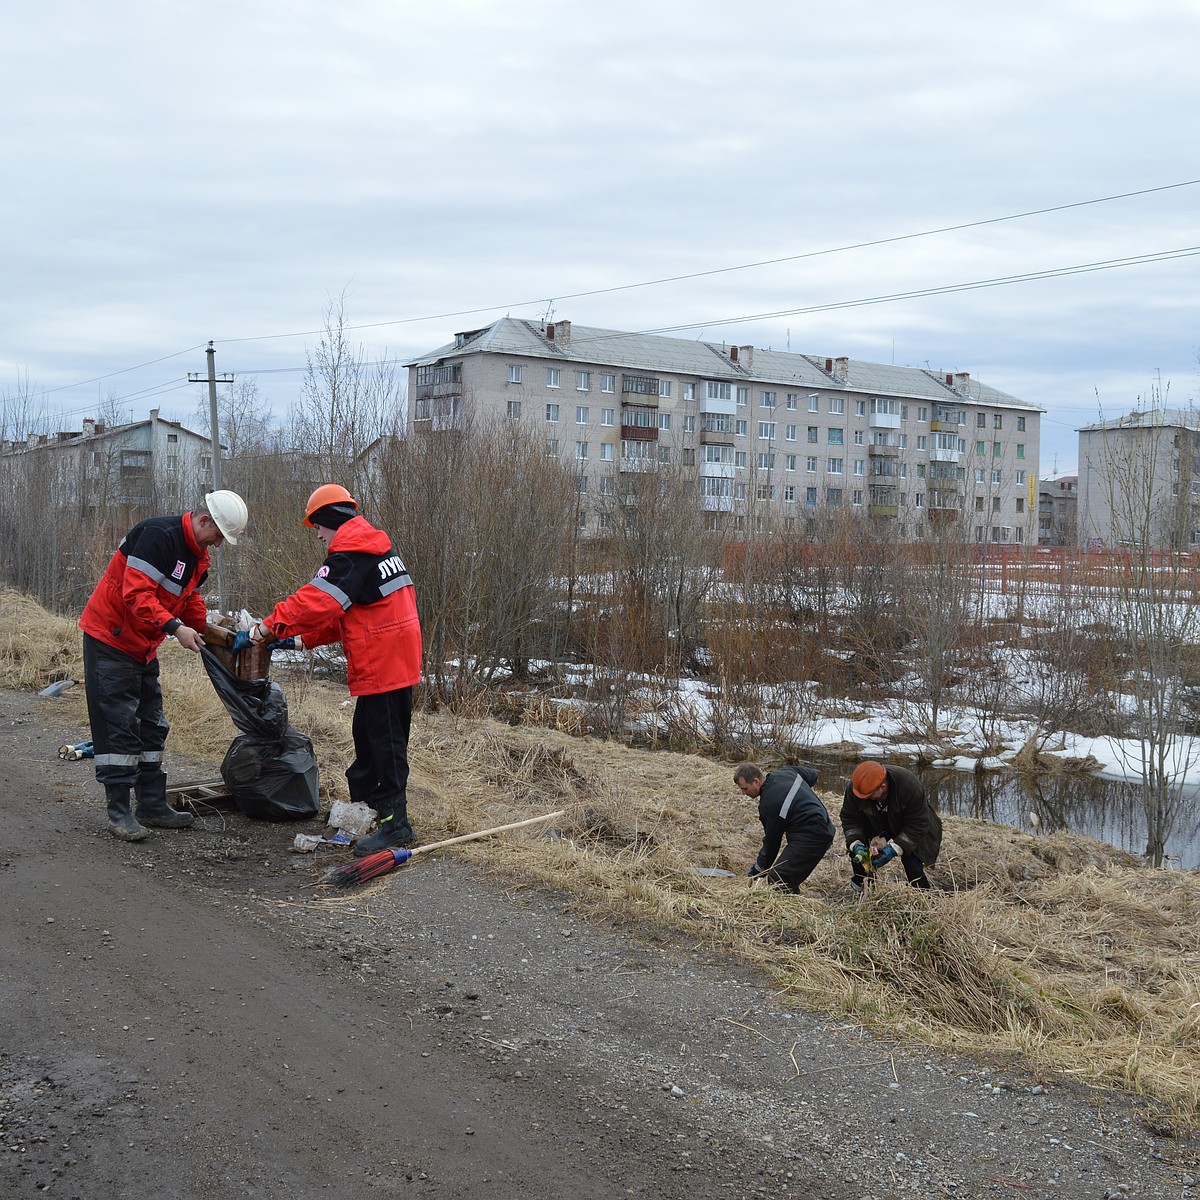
column 121, row 821
column 394, row 830
column 152, row 806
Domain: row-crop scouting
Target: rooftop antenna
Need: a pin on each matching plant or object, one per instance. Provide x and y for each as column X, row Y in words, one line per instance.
column 789, row 341
column 549, row 313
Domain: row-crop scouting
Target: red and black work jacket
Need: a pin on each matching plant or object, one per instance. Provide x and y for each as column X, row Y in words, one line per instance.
column 153, row 578
column 362, row 596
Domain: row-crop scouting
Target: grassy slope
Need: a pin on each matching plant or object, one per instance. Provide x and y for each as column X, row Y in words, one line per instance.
column 1058, row 948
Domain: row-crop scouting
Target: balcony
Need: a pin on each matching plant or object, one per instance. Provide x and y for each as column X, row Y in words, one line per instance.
column 716, row 437
column 883, row 451
column 716, row 503
column 945, row 456
column 885, row 511
column 944, row 426
column 639, row 433
column 879, row 420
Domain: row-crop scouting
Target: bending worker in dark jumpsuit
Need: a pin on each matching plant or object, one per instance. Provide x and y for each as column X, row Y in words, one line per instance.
column 787, row 806
column 886, row 805
column 150, row 591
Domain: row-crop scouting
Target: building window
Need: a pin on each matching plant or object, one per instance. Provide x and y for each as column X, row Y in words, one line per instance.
column 810, row 463
column 739, row 428
column 981, row 420
column 689, row 391
column 833, row 497
column 608, row 383
column 583, row 380
column 606, row 452
column 766, row 462
column 664, row 388
column 552, row 447
column 835, row 465
column 789, row 462
column 172, row 438
column 514, row 373
column 814, row 402
column 812, row 433
column 739, row 459
column 995, row 504
column 606, row 481
column 922, row 413
column 743, row 397
column 860, row 466
column 792, row 401
column 1020, row 449
column 1021, row 477
column 837, row 405
column 664, row 420
column 790, row 433
column 689, row 424
column 581, row 450
column 922, row 442
column 172, row 462
column 607, row 416
column 551, row 412
column 205, row 462
column 859, row 440
column 1020, row 424
column 997, row 450
column 513, row 409
column 997, row 420
column 766, row 491
column 789, row 493
column 581, row 414
column 860, row 408
column 766, row 430
column 552, row 377
column 835, row 437
column 717, row 391
column 979, row 504
column 718, row 454
column 1020, row 504
column 810, row 495
column 766, row 399
column 857, row 499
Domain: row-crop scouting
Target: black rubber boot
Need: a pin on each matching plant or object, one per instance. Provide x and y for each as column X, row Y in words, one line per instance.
column 394, row 830
column 121, row 821
column 152, row 806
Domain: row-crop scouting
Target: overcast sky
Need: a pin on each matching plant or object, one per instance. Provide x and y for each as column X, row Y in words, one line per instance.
column 175, row 172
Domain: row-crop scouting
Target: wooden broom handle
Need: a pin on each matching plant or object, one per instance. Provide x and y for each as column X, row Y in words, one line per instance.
column 482, row 833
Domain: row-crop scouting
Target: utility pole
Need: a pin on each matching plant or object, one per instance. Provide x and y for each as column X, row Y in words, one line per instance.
column 215, row 436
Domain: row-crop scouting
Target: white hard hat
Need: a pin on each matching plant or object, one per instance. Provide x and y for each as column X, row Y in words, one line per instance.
column 228, row 509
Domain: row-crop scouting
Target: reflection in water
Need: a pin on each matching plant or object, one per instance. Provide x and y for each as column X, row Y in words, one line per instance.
column 1103, row 809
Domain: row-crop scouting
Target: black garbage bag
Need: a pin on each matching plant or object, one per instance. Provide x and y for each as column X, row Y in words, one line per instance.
column 269, row 768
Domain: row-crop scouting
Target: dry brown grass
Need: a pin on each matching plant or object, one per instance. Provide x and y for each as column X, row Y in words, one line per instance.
column 1058, row 949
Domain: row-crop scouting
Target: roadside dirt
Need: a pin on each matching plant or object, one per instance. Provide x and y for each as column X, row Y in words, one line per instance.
column 196, row 1016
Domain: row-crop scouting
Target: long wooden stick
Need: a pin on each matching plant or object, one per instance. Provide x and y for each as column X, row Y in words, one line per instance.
column 482, row 833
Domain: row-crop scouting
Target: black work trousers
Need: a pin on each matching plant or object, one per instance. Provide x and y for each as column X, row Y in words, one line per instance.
column 798, row 861
column 914, row 869
column 125, row 711
column 378, row 776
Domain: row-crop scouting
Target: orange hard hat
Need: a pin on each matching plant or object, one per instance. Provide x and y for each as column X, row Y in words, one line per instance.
column 327, row 493
column 866, row 778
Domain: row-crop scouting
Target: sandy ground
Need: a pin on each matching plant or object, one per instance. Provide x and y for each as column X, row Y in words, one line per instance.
column 195, row 1016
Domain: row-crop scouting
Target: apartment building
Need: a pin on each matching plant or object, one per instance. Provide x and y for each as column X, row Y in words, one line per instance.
column 766, row 434
column 1139, row 481
column 134, row 469
column 1057, row 504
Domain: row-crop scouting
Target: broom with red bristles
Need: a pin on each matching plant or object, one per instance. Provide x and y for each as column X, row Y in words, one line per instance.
column 384, row 861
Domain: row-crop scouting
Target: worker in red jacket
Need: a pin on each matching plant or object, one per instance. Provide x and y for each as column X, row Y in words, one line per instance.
column 150, row 591
column 362, row 596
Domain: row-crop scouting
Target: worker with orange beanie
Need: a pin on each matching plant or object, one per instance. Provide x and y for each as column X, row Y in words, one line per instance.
column 362, row 596
column 886, row 808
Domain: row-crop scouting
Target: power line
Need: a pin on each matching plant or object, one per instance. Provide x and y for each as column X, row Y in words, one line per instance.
column 914, row 294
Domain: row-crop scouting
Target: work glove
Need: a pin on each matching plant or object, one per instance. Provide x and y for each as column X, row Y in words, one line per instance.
column 860, row 854
column 241, row 641
column 287, row 643
column 755, row 869
column 884, row 856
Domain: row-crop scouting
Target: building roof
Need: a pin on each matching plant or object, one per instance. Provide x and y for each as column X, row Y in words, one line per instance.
column 651, row 352
column 1149, row 418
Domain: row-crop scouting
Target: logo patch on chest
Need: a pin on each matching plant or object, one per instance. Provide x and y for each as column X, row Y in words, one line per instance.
column 180, row 569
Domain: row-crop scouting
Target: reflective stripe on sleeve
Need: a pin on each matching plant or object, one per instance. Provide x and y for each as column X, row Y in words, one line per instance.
column 156, row 576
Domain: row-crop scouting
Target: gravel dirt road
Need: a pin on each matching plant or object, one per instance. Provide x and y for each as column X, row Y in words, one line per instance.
column 194, row 1016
